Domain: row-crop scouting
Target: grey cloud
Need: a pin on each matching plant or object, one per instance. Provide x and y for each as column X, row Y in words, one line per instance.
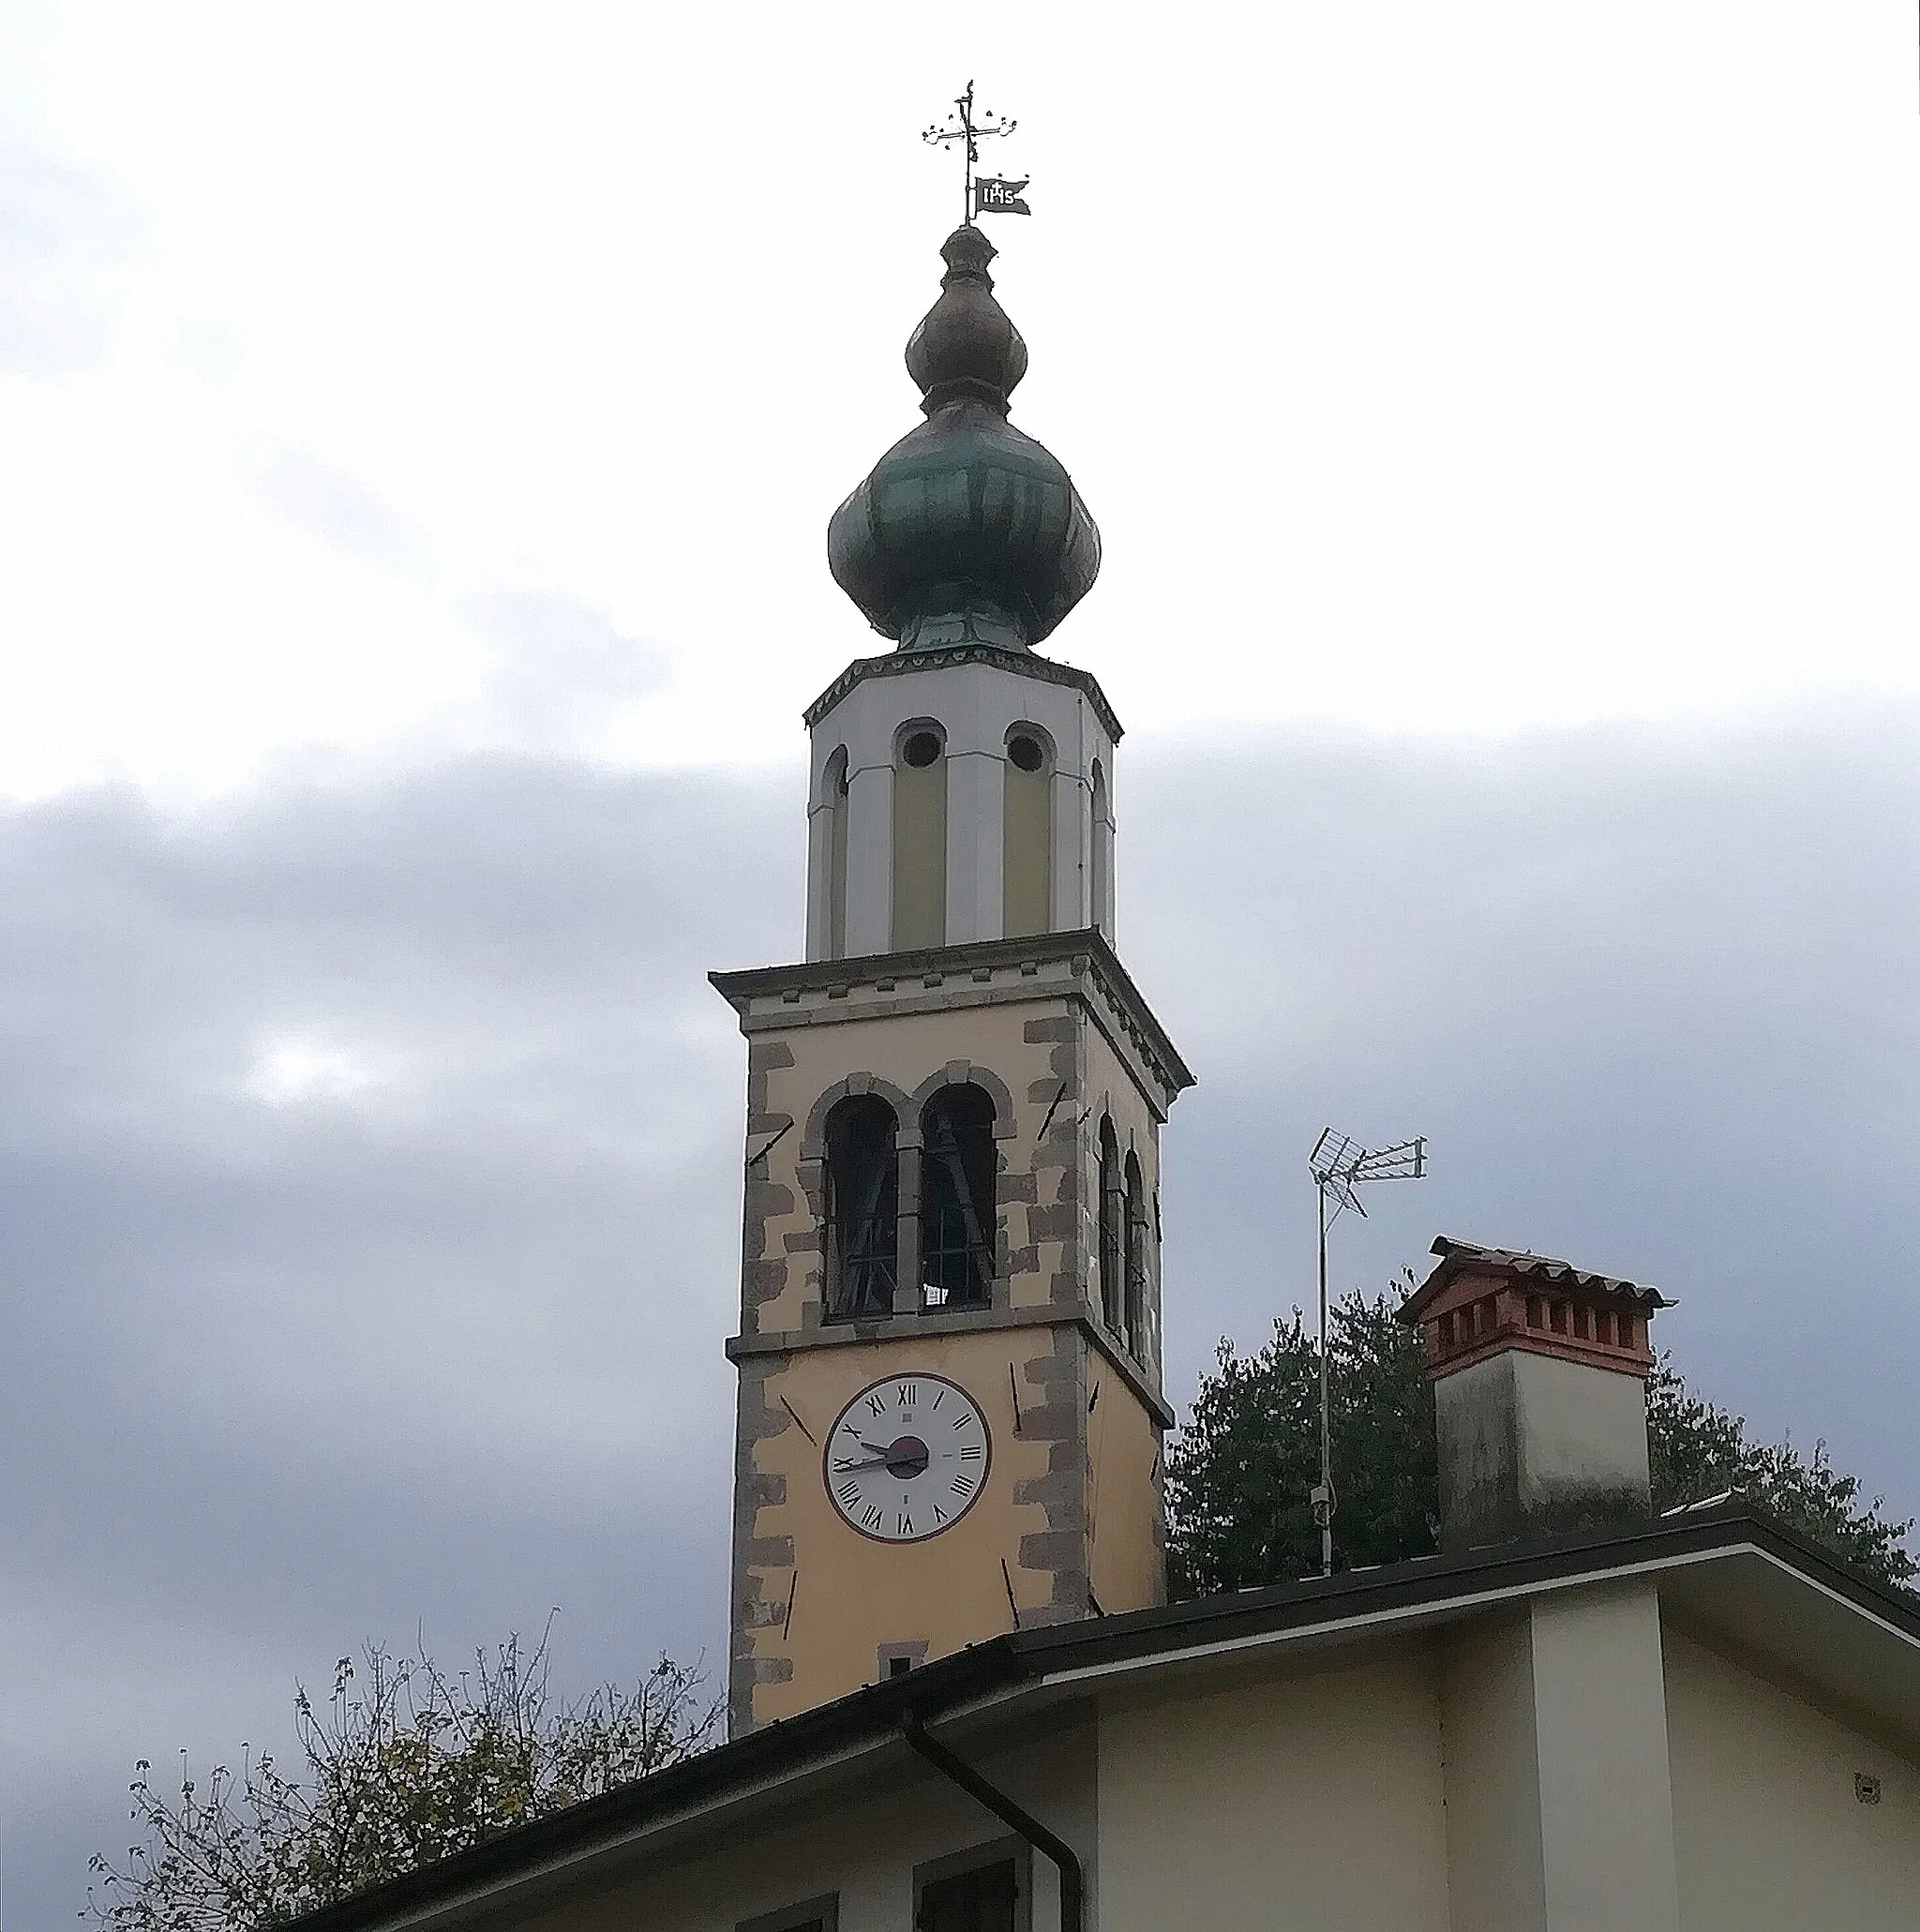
column 278, row 1375
column 420, row 1322
column 1651, row 996
column 66, row 238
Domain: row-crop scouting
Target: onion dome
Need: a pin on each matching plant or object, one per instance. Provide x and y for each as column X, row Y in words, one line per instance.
column 965, row 529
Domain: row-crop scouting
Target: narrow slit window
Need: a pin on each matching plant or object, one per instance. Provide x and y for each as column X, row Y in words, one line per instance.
column 1103, row 852
column 920, row 838
column 1028, row 835
column 836, row 854
column 1135, row 1331
column 1113, row 1209
column 862, row 1208
column 959, row 1217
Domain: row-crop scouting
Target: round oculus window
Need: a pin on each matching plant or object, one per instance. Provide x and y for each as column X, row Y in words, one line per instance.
column 921, row 749
column 1025, row 752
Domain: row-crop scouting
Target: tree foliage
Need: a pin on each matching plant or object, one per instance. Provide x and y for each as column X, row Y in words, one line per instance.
column 1700, row 1451
column 1238, row 1476
column 402, row 1765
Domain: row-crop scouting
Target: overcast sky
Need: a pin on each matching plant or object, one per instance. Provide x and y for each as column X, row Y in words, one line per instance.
column 418, row 426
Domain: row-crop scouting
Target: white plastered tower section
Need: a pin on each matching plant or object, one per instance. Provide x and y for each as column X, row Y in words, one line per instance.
column 979, row 712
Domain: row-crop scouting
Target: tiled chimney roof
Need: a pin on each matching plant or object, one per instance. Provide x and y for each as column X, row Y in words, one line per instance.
column 1480, row 1300
column 1464, row 1257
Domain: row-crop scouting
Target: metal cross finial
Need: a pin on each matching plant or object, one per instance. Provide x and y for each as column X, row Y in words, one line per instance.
column 960, row 126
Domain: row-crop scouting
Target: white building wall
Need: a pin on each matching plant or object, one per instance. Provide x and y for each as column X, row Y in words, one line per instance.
column 1496, row 1880
column 1311, row 1802
column 1771, row 1835
column 863, row 1848
column 1554, row 1725
column 819, row 837
column 976, row 705
column 1600, row 1717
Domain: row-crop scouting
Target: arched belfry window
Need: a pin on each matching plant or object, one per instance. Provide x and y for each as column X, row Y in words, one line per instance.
column 1134, row 1333
column 835, row 786
column 1113, row 1209
column 862, row 1208
column 919, row 836
column 1026, row 869
column 958, row 1215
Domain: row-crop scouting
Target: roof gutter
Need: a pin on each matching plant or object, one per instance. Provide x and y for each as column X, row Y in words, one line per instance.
column 957, row 1770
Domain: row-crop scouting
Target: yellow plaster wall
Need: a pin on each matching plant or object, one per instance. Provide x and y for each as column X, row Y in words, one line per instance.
column 1311, row 1802
column 853, row 1593
column 1026, row 864
column 1768, row 1833
column 919, row 853
column 1123, row 1503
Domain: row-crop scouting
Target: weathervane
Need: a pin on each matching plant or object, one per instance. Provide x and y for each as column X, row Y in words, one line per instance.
column 989, row 195
column 1339, row 1168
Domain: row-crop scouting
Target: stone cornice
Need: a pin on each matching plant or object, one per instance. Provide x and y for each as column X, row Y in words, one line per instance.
column 1024, row 664
column 959, row 1322
column 980, row 973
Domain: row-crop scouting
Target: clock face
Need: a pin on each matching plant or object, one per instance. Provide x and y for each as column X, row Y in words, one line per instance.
column 907, row 1457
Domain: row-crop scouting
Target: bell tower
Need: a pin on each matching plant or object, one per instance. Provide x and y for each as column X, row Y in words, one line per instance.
column 950, row 1413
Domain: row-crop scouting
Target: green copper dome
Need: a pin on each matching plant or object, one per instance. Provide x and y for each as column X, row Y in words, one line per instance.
column 965, row 528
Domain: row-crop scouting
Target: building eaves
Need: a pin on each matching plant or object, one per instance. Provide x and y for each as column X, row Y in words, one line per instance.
column 766, row 1760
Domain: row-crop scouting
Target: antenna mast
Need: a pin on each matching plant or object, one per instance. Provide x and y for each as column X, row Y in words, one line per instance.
column 1339, row 1168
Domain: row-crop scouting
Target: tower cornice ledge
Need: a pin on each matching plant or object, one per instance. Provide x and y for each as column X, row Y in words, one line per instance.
column 916, row 1328
column 1025, row 664
column 983, row 973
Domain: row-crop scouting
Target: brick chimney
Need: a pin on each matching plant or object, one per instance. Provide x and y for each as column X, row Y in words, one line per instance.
column 1539, row 1392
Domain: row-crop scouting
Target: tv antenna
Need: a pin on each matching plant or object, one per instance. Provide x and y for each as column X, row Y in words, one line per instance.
column 960, row 126
column 1340, row 1168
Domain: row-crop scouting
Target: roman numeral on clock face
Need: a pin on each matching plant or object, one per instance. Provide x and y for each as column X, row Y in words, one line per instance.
column 963, row 1485
column 872, row 1519
column 907, row 1395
